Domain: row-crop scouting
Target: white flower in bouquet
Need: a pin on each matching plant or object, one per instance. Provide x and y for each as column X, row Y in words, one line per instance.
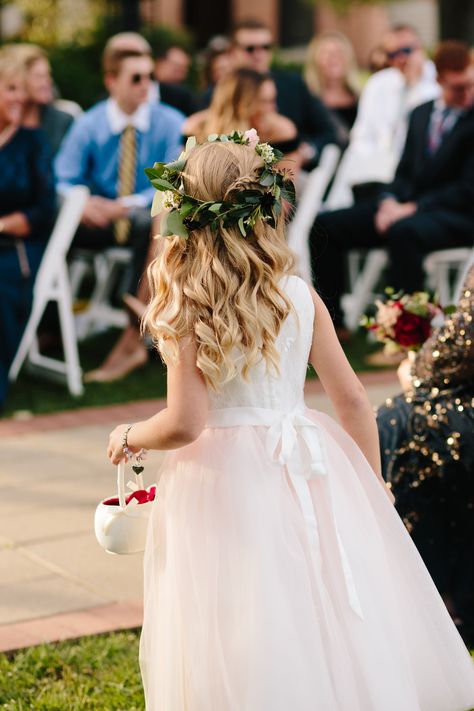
column 387, row 316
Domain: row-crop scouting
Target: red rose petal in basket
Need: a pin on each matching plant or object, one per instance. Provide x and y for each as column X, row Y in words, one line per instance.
column 142, row 496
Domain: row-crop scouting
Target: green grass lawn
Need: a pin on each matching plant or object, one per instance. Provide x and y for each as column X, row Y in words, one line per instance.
column 37, row 395
column 90, row 674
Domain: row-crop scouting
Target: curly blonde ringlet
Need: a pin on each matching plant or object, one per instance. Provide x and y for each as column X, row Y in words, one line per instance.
column 219, row 287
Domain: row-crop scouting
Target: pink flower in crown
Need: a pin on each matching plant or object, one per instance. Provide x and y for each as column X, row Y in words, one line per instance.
column 252, row 136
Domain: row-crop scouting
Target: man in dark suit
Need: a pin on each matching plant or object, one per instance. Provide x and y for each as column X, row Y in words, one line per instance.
column 429, row 205
column 252, row 46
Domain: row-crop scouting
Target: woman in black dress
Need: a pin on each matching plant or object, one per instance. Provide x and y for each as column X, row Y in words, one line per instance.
column 27, row 206
column 427, row 443
column 331, row 74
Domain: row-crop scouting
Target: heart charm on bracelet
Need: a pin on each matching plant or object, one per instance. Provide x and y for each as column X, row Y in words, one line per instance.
column 138, row 470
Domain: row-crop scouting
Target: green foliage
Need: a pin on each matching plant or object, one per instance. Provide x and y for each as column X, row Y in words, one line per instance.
column 88, row 674
column 187, row 213
column 34, row 394
column 77, row 68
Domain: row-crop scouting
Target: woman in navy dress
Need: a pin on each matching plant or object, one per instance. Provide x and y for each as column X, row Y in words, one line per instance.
column 27, row 207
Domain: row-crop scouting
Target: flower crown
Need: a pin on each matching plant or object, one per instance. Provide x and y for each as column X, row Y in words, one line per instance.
column 186, row 213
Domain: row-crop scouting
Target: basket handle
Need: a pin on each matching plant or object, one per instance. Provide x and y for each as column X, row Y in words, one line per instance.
column 121, row 483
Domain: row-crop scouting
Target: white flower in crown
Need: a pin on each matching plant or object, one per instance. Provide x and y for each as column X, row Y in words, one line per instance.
column 252, row 137
column 171, row 199
column 266, row 151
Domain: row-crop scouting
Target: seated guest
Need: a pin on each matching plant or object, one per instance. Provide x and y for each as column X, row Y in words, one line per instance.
column 27, row 207
column 427, row 447
column 40, row 111
column 172, row 65
column 331, row 74
column 391, row 94
column 246, row 99
column 108, row 149
column 252, row 44
column 217, row 62
column 175, row 95
column 171, row 69
column 430, row 204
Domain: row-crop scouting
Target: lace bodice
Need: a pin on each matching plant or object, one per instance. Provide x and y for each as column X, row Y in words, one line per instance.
column 285, row 390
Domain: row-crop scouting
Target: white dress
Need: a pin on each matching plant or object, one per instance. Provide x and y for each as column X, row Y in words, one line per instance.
column 278, row 576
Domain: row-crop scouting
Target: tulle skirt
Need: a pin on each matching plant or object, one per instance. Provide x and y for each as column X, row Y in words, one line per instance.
column 271, row 587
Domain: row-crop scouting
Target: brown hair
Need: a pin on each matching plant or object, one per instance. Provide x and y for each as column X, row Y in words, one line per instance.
column 250, row 23
column 452, row 56
column 112, row 59
column 233, row 102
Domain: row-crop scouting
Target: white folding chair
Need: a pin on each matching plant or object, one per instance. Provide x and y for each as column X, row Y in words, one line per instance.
column 365, row 270
column 356, row 168
column 106, row 267
column 446, row 271
column 52, row 284
column 308, row 207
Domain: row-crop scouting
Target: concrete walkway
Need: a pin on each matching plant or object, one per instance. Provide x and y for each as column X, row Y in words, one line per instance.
column 55, row 580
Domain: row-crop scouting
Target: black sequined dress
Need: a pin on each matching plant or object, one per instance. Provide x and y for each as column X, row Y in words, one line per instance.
column 427, row 446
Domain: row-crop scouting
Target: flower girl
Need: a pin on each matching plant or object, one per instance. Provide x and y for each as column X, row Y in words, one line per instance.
column 278, row 575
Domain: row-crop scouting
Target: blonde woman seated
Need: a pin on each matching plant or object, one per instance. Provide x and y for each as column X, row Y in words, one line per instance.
column 242, row 100
column 331, row 74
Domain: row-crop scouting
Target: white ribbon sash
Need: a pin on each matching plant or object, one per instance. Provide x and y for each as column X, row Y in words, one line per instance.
column 286, row 430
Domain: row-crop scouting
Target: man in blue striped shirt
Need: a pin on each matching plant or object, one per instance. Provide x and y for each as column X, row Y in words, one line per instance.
column 107, row 149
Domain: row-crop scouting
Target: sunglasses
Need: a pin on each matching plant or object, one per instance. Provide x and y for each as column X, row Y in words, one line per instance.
column 138, row 78
column 251, row 48
column 401, row 51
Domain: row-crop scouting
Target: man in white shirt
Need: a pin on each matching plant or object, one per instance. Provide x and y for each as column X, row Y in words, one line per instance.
column 391, row 94
column 379, row 132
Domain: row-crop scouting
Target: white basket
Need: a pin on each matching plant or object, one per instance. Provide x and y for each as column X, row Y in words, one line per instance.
column 121, row 529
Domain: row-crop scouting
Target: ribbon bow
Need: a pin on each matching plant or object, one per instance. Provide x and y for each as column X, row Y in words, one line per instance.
column 282, row 438
column 281, row 445
column 284, row 430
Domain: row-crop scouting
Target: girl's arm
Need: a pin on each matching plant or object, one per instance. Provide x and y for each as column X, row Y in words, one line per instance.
column 180, row 423
column 343, row 388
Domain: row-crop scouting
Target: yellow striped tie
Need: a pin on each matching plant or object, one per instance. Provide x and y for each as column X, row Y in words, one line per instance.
column 126, row 178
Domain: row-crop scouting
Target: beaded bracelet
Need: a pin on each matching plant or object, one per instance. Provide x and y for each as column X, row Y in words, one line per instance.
column 125, row 447
column 140, row 456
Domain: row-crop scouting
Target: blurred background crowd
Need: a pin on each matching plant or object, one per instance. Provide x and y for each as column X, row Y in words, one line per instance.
column 375, row 116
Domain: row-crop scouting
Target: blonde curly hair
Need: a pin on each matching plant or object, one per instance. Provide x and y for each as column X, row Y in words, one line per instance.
column 219, row 287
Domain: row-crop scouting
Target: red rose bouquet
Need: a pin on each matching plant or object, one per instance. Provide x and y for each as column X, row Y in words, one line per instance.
column 403, row 321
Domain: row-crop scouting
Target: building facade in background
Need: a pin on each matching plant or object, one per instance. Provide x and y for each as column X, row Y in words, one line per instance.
column 294, row 22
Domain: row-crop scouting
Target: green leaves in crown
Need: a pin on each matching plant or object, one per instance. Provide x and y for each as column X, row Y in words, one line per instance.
column 186, row 213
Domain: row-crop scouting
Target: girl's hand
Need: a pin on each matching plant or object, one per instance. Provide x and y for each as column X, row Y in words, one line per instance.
column 115, row 448
column 404, row 375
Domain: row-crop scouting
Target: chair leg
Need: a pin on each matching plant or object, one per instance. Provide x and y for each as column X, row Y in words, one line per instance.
column 68, row 335
column 355, row 304
column 77, row 271
column 28, row 340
